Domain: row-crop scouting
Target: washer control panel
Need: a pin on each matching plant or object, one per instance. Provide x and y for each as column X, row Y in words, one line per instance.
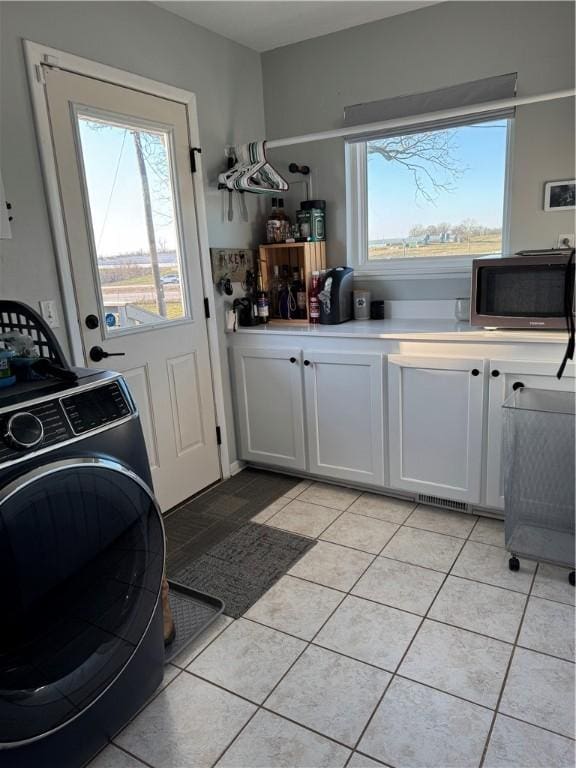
column 37, row 425
column 95, row 408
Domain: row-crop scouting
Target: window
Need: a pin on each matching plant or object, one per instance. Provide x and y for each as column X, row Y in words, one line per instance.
column 429, row 199
column 128, row 173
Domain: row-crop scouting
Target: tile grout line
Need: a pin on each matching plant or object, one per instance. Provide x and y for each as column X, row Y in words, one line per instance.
column 315, row 538
column 127, row 752
column 352, row 658
column 407, row 562
column 161, row 688
column 345, row 594
column 308, row 644
column 446, row 574
column 408, row 647
column 506, row 674
column 349, row 593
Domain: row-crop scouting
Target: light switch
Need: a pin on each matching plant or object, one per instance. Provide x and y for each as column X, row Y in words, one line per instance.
column 49, row 313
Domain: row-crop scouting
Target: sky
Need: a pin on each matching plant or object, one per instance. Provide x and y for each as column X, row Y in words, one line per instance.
column 115, row 193
column 117, row 208
column 478, row 194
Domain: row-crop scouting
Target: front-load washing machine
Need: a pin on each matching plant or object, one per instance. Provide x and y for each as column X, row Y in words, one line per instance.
column 81, row 565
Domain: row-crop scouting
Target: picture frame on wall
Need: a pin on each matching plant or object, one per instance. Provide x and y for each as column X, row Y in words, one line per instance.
column 560, row 195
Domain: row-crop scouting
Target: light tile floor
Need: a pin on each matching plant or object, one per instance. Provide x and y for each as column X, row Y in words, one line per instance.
column 401, row 639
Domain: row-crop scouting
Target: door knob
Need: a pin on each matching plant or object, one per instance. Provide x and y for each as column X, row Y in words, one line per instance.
column 292, row 359
column 495, row 373
column 91, row 321
column 97, row 354
column 475, row 372
column 518, row 385
column 306, row 362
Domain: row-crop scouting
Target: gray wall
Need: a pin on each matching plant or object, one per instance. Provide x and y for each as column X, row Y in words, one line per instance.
column 148, row 41
column 307, row 86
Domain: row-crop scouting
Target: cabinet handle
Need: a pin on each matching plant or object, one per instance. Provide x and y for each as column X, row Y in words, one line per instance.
column 475, row 372
column 306, row 362
column 495, row 373
column 518, row 385
column 292, row 359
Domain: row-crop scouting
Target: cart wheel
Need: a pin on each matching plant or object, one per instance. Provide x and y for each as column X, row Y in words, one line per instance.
column 572, row 578
column 514, row 564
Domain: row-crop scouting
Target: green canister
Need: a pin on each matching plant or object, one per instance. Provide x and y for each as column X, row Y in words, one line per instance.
column 311, row 219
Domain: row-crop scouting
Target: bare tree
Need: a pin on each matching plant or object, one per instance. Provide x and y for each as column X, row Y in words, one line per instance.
column 429, row 157
column 155, row 154
column 152, row 156
column 158, row 286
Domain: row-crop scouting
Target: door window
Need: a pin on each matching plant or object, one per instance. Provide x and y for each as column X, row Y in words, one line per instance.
column 128, row 176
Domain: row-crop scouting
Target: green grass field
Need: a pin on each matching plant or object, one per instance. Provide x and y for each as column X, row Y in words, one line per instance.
column 477, row 245
column 144, row 278
column 174, row 309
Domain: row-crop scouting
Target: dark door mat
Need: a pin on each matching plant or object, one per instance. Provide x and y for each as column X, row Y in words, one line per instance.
column 244, row 565
column 198, row 525
column 193, row 612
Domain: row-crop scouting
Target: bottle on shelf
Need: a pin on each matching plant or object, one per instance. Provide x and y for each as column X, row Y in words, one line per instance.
column 275, row 292
column 262, row 301
column 299, row 292
column 274, row 224
column 313, row 300
column 285, row 223
column 285, row 295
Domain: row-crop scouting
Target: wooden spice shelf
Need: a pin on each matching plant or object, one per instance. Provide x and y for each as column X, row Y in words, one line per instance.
column 308, row 257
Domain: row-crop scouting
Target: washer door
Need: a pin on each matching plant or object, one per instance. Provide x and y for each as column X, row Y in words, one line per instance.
column 81, row 564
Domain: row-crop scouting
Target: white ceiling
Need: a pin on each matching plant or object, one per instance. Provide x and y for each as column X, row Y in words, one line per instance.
column 264, row 25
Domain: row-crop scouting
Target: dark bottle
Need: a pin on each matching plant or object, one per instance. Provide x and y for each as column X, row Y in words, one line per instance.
column 262, row 301
column 299, row 292
column 285, row 297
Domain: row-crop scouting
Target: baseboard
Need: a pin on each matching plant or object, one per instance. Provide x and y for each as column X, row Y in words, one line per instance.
column 236, row 466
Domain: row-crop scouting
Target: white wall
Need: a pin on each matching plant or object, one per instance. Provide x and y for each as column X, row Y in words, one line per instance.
column 307, row 86
column 146, row 40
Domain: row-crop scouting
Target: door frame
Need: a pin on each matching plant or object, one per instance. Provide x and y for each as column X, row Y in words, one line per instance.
column 37, row 55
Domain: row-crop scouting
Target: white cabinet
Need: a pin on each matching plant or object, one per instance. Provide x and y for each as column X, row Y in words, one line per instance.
column 504, row 376
column 270, row 418
column 436, row 408
column 344, row 415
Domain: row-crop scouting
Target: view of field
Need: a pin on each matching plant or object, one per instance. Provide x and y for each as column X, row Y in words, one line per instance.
column 131, row 285
column 474, row 245
column 438, row 193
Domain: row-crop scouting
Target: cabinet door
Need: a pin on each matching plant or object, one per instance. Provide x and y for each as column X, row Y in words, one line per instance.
column 344, row 415
column 435, row 425
column 503, row 376
column 270, row 411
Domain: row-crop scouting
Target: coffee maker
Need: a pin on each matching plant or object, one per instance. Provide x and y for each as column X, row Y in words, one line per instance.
column 336, row 296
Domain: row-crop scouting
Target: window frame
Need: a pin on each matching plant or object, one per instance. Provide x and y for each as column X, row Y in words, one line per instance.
column 356, row 174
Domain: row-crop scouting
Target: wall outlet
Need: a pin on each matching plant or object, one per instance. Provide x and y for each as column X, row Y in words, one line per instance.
column 565, row 241
column 49, row 313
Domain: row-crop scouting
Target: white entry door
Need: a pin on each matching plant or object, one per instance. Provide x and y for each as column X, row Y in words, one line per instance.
column 123, row 161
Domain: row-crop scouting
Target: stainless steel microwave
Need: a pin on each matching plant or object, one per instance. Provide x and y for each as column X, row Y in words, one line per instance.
column 522, row 291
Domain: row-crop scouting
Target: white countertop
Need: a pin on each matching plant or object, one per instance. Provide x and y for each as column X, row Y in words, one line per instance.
column 422, row 330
